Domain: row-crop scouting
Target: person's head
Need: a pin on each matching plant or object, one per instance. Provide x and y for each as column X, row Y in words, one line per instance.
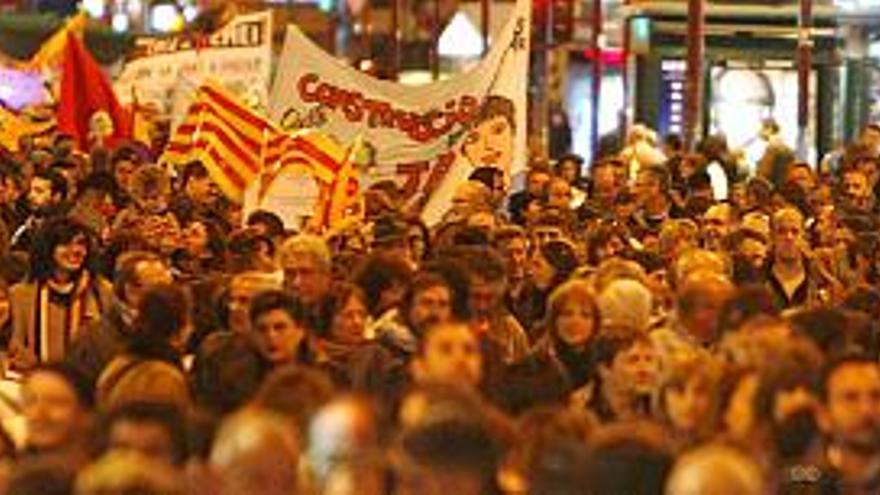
column 677, row 236
column 266, row 223
column 470, row 197
column 136, row 272
column 241, row 291
column 630, row 458
column 513, row 244
column 295, row 392
column 419, row 238
column 537, row 179
column 389, row 237
column 625, row 305
column 428, row 302
column 546, row 227
column 124, row 163
column 490, row 138
column 855, row 185
column 61, row 248
column 636, row 365
column 155, row 430
column 569, row 168
column 151, row 189
column 695, row 260
column 130, row 472
column 348, row 305
column 56, row 399
column 558, row 193
column 196, row 183
column 257, row 452
column 701, row 298
column 673, row 144
column 802, row 175
column 493, row 179
column 47, row 189
column 870, row 166
column 226, row 372
column 449, row 452
column 850, row 396
column 342, row 437
column 870, row 138
column 605, row 176
column 552, row 264
column 383, row 279
column 449, row 352
column 788, row 234
column 247, row 249
column 689, row 393
column 280, row 326
column 573, row 315
column 716, row 470
column 307, row 267
column 488, row 280
column 162, row 318
column 651, row 183
column 42, row 475
column 604, row 242
column 751, row 247
column 718, row 223
column 203, row 238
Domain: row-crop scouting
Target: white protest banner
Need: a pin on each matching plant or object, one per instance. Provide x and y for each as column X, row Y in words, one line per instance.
column 238, row 56
column 426, row 138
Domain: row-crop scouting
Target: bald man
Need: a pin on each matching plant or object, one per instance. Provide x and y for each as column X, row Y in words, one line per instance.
column 257, row 452
column 715, row 470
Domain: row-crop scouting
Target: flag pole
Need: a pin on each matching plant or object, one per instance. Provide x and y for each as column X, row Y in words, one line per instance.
column 484, row 24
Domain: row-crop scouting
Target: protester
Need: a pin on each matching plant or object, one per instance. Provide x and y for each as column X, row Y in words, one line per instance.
column 651, row 322
column 61, row 297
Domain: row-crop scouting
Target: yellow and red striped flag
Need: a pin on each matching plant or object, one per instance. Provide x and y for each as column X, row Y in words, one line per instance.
column 312, row 151
column 341, row 200
column 223, row 134
column 238, row 146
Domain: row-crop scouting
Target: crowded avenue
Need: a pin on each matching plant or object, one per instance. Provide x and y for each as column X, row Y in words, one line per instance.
column 440, row 247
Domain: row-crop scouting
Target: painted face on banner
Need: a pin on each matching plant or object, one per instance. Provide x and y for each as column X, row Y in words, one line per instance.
column 490, row 143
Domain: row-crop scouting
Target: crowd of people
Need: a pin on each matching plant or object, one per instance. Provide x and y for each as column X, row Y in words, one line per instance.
column 657, row 321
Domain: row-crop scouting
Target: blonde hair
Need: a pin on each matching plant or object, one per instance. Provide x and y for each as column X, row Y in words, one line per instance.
column 306, row 245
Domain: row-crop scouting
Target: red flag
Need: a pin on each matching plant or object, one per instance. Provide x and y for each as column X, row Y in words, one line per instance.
column 85, row 93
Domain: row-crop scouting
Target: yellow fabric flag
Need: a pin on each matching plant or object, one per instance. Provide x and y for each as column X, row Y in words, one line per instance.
column 13, row 128
column 344, row 193
column 52, row 49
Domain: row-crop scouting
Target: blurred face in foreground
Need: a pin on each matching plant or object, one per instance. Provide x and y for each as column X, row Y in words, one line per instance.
column 688, row 403
column 852, row 411
column 451, row 354
column 52, row 411
column 148, row 438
